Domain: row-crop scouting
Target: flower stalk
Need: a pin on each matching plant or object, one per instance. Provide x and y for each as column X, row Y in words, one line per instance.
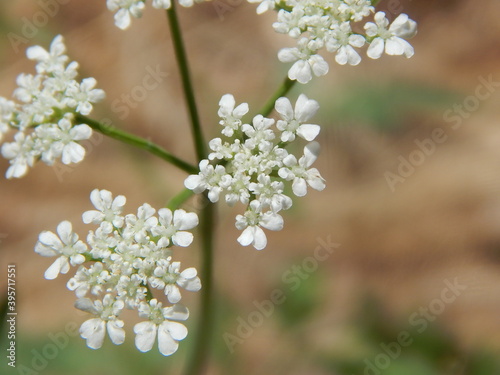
column 136, row 141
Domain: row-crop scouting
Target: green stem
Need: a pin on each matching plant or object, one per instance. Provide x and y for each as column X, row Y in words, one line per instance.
column 182, row 63
column 197, row 363
column 136, row 141
column 375, row 2
column 179, row 199
column 282, row 91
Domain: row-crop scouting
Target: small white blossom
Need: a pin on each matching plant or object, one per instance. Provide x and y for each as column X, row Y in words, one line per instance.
column 215, row 179
column 392, row 38
column 300, row 172
column 231, row 116
column 306, row 62
column 251, row 223
column 293, row 121
column 259, row 134
column 160, row 323
column 108, row 209
column 81, row 96
column 106, row 312
column 173, row 227
column 50, row 61
column 65, row 245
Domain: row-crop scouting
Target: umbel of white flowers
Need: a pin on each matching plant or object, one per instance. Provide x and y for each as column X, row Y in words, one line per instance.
column 315, row 25
column 252, row 165
column 44, row 118
column 124, row 259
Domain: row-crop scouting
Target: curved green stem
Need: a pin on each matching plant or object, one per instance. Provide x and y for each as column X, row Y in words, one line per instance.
column 197, row 363
column 179, row 199
column 136, row 141
column 285, row 87
column 182, row 63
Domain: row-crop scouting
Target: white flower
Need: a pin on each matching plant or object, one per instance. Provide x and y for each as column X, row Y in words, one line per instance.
column 265, row 5
column 106, row 312
column 171, row 278
column 300, row 172
column 67, row 246
column 160, row 324
column 342, row 41
column 92, row 279
column 60, row 140
column 259, row 133
column 124, row 9
column 50, row 61
column 80, row 96
column 270, row 193
column 21, row 155
column 306, row 63
column 215, row 179
column 108, row 209
column 293, row 121
column 162, row 4
column 172, row 228
column 231, row 116
column 138, row 226
column 251, row 223
column 7, row 111
column 390, row 38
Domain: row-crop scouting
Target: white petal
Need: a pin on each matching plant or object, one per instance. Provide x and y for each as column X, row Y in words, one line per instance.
column 272, row 222
column 176, row 312
column 93, row 330
column 177, row 330
column 73, row 153
column 376, row 48
column 299, row 187
column 182, row 239
column 260, row 239
column 174, row 294
column 116, row 332
column 85, row 304
column 284, row 108
column 185, row 220
column 60, row 265
column 145, row 335
column 308, row 131
column 194, row 182
column 166, row 343
column 305, row 108
column 247, row 236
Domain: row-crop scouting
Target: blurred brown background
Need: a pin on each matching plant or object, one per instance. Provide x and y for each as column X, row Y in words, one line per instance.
column 398, row 247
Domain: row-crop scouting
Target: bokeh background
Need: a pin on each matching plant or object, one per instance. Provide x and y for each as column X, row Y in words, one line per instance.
column 397, row 249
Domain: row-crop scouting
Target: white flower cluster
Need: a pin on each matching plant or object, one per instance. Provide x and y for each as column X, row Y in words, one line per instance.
column 44, row 118
column 252, row 166
column 123, row 261
column 318, row 24
column 126, row 9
